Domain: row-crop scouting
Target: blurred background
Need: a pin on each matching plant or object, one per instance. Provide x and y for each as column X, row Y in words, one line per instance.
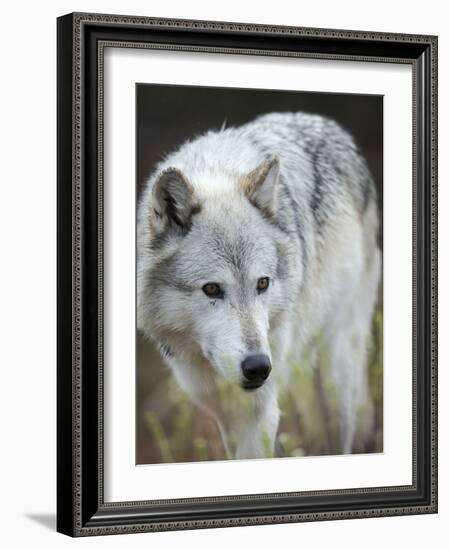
column 169, row 427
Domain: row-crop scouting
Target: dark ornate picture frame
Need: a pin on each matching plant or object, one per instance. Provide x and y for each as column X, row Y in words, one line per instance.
column 81, row 510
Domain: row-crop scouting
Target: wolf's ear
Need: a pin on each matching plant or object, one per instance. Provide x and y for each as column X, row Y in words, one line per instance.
column 173, row 200
column 260, row 185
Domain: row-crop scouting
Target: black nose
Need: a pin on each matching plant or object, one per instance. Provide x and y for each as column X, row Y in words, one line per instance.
column 256, row 369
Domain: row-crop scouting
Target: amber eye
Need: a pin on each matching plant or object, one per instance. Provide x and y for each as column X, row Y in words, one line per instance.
column 262, row 284
column 212, row 290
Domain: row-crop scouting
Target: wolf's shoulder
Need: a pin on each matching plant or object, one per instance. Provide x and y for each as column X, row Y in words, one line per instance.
column 300, row 119
column 299, row 127
column 326, row 153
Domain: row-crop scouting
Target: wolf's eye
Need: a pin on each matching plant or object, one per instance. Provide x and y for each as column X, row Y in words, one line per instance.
column 262, row 284
column 212, row 290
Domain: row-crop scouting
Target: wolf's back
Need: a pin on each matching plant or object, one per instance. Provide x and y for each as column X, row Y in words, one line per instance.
column 319, row 159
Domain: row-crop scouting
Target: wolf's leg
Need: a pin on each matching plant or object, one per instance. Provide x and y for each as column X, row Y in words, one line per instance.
column 247, row 421
column 201, row 387
column 257, row 437
column 348, row 341
column 348, row 399
column 348, row 361
column 256, row 434
column 249, row 431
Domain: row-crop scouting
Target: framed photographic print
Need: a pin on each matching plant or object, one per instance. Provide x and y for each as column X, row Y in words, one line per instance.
column 247, row 283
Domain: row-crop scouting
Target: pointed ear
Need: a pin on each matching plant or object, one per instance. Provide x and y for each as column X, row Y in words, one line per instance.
column 260, row 185
column 173, row 201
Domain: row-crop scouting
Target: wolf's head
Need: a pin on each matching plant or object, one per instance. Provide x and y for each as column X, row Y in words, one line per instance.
column 215, row 270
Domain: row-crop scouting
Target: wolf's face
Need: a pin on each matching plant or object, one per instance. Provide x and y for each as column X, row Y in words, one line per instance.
column 218, row 279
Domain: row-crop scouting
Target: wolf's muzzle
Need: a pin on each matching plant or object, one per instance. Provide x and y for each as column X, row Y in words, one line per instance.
column 255, row 369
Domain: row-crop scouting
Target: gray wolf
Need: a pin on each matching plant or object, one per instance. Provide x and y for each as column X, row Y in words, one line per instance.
column 254, row 243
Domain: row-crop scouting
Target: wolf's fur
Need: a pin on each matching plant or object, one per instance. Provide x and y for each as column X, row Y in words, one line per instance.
column 289, row 197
